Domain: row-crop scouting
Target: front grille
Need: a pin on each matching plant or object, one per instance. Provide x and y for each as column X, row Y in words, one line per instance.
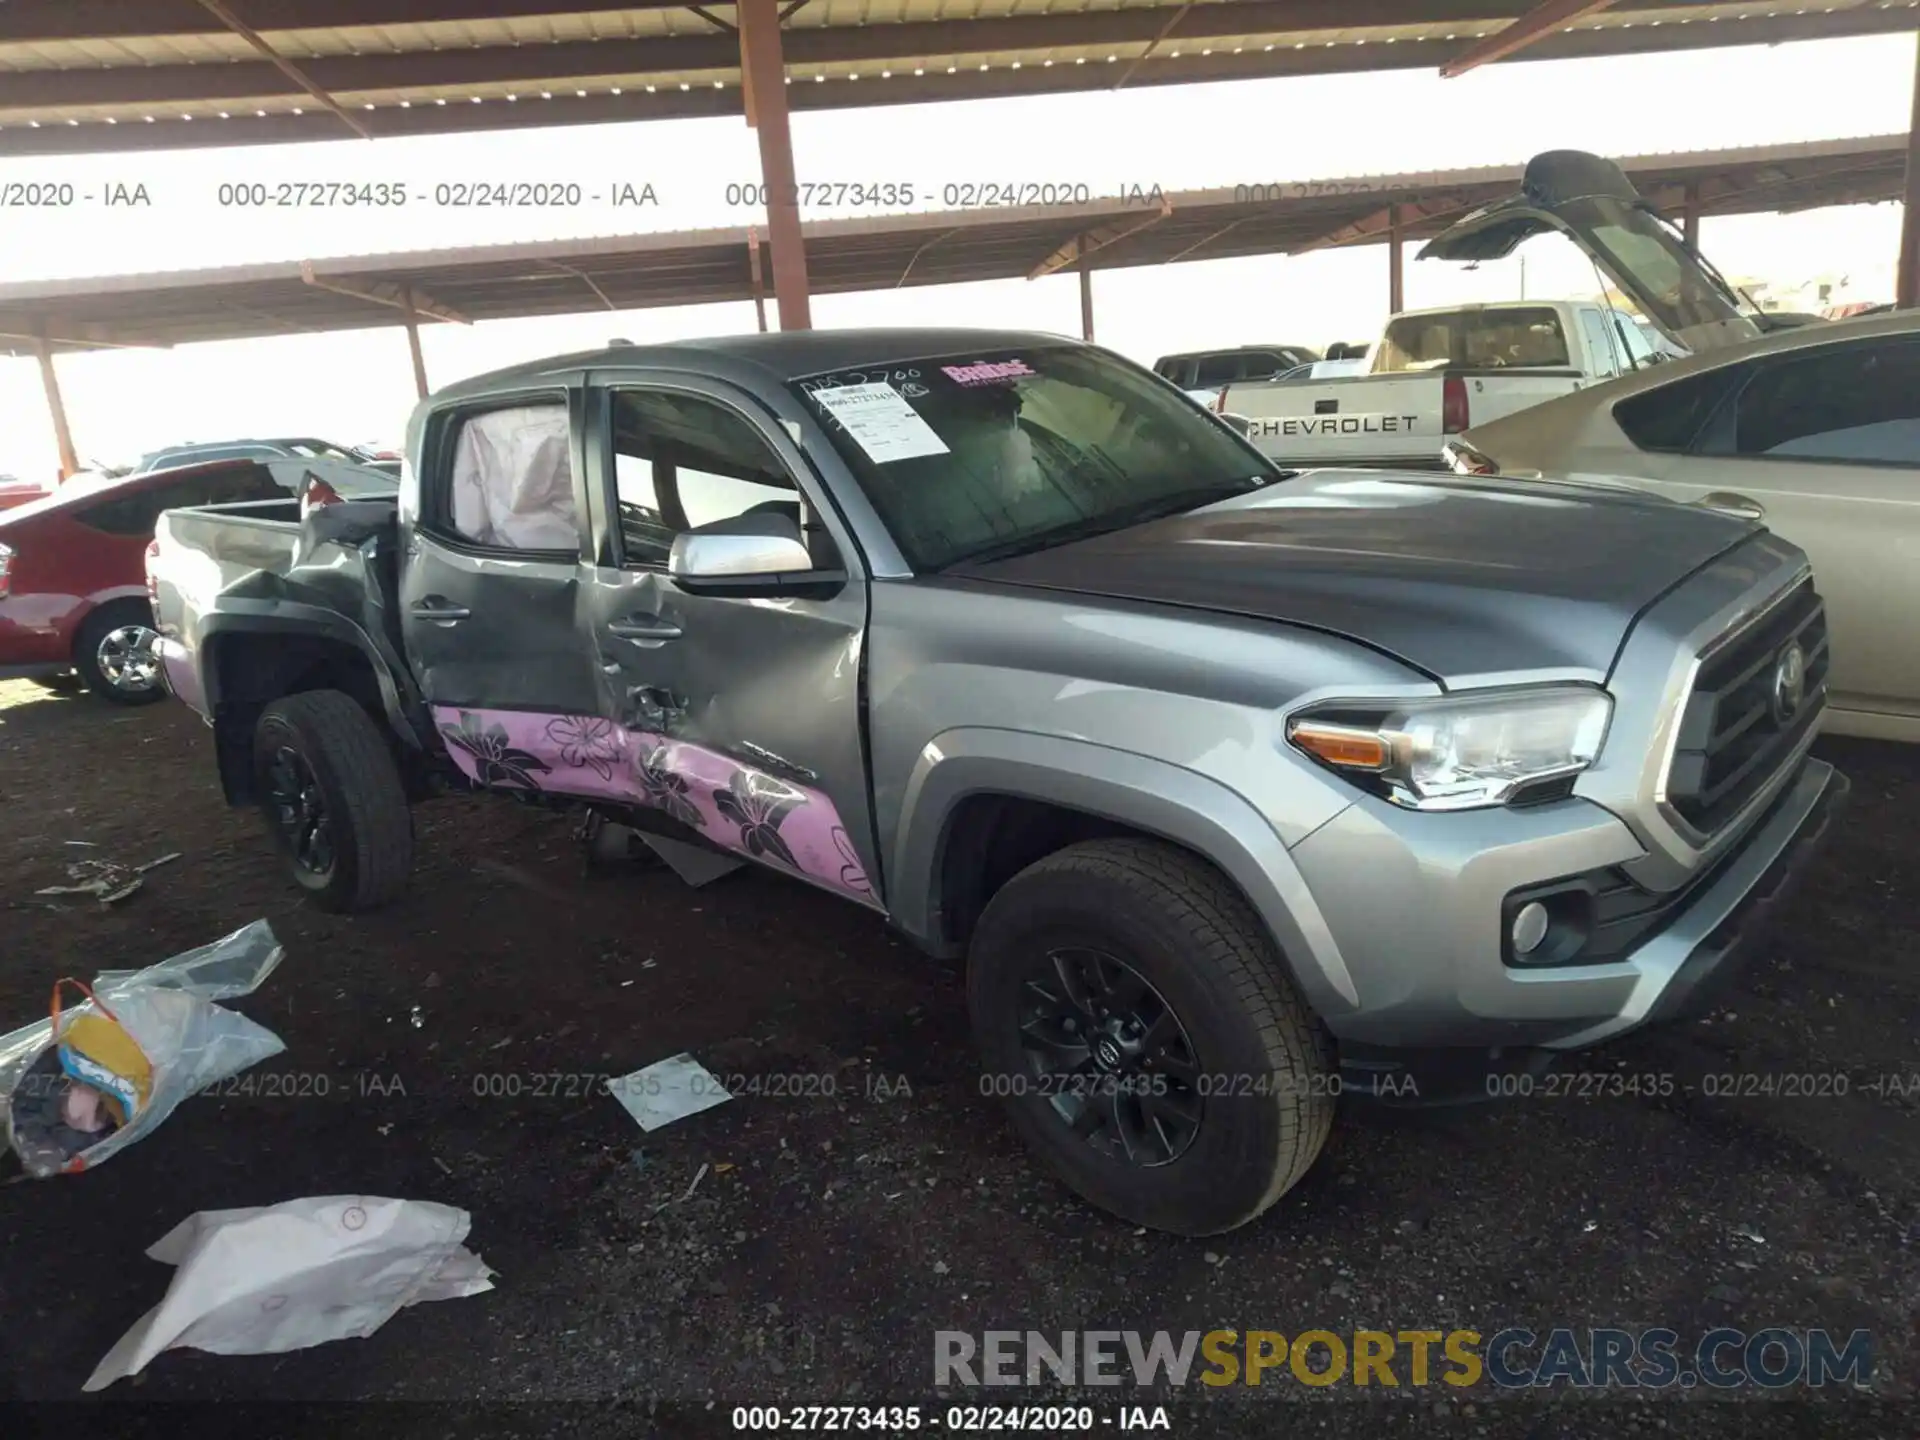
column 1733, row 735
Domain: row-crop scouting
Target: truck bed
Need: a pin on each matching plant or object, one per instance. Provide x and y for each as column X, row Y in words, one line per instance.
column 261, row 557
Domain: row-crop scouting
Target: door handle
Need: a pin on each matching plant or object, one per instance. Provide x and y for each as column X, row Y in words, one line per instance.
column 1727, row 502
column 644, row 627
column 440, row 610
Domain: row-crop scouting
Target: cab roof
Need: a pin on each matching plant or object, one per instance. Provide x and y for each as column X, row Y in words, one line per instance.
column 778, row 356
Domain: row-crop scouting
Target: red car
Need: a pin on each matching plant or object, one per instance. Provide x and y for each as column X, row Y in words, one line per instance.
column 73, row 583
column 19, row 492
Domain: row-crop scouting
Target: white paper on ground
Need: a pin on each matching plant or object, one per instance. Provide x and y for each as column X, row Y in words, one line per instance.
column 284, row 1277
column 881, row 422
column 669, row 1090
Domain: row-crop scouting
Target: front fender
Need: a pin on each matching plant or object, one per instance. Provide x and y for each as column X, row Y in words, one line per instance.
column 1139, row 791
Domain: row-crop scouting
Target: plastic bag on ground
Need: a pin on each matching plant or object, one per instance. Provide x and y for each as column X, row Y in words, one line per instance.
column 168, row 1009
column 285, row 1277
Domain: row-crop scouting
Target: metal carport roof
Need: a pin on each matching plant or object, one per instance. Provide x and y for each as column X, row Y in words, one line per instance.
column 923, row 248
column 115, row 75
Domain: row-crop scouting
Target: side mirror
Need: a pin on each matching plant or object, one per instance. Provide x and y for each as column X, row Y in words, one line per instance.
column 744, row 547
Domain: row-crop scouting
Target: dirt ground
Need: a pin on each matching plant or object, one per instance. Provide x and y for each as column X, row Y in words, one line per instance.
column 443, row 1050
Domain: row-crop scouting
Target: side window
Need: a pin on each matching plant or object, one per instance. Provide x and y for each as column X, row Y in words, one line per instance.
column 1606, row 353
column 1671, row 417
column 511, row 483
column 1633, row 336
column 1852, row 403
column 682, row 462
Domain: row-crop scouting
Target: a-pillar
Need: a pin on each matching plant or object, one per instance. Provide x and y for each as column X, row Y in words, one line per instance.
column 1396, row 263
column 1690, row 216
column 763, row 72
column 1907, row 294
column 69, row 461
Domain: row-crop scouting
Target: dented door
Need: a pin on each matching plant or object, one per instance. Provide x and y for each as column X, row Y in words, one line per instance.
column 738, row 716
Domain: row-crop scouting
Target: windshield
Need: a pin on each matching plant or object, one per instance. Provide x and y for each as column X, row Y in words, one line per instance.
column 1475, row 337
column 970, row 457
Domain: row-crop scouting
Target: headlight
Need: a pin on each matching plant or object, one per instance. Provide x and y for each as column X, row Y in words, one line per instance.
column 1460, row 752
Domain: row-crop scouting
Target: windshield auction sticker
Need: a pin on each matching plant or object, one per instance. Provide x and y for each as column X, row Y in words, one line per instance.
column 998, row 372
column 880, row 421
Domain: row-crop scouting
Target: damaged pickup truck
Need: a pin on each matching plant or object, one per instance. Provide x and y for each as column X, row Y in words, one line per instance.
column 1235, row 788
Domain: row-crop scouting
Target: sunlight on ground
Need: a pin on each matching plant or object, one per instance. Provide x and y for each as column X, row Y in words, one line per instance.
column 25, row 692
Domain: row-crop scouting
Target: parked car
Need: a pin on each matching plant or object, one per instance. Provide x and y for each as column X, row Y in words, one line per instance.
column 1203, row 373
column 296, row 449
column 1816, row 431
column 73, row 593
column 1432, row 374
column 1321, row 370
column 1586, row 198
column 19, row 492
column 996, row 636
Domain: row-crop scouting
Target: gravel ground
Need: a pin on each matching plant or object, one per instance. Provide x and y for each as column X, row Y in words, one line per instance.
column 860, row 1193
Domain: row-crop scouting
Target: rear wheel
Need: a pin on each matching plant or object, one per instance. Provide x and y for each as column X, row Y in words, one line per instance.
column 333, row 800
column 115, row 655
column 1134, row 1013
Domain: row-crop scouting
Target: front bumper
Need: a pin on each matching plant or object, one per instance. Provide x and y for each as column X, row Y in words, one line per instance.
column 1414, row 903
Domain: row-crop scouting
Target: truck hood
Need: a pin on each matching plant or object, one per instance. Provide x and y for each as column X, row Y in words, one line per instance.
column 1591, row 201
column 1471, row 581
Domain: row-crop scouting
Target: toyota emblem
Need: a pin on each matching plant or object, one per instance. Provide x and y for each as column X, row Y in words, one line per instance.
column 1789, row 683
column 1107, row 1053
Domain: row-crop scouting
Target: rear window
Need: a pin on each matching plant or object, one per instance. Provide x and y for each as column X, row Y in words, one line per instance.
column 1507, row 338
column 1217, row 370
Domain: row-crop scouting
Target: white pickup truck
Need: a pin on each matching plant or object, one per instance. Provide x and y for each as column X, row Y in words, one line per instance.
column 1434, row 373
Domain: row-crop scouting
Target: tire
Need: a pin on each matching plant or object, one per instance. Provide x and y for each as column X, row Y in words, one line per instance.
column 330, row 791
column 114, row 654
column 1247, row 1048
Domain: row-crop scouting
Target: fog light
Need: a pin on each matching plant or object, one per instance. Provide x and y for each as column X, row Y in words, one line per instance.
column 1529, row 928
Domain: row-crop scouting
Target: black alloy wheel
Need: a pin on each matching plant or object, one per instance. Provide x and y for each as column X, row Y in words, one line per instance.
column 300, row 811
column 1110, row 1055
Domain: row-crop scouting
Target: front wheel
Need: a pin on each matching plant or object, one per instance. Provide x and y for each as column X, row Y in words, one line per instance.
column 333, row 800
column 1132, row 1011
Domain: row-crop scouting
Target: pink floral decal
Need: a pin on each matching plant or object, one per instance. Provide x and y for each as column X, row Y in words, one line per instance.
column 757, row 803
column 790, row 827
column 664, row 789
column 853, row 875
column 586, row 742
column 496, row 761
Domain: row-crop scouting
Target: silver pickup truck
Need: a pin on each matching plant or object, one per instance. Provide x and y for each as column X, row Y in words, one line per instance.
column 1235, row 788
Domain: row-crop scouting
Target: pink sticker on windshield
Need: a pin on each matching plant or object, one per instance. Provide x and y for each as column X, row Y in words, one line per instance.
column 989, row 373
